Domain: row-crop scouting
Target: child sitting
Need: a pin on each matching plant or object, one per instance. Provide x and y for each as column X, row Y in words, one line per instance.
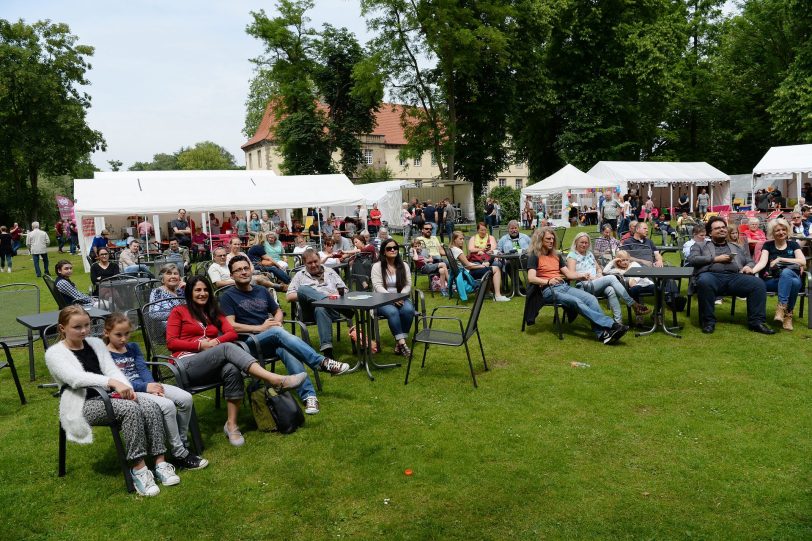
column 175, row 403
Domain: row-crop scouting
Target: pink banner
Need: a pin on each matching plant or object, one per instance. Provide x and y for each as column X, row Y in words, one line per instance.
column 65, row 206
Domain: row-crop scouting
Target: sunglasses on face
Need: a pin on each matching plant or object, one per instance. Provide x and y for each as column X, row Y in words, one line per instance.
column 391, row 248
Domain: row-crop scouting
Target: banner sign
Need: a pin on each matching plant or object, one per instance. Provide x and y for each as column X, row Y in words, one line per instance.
column 88, row 227
column 65, row 206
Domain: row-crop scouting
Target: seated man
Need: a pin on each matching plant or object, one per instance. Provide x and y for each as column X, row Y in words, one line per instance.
column 253, row 310
column 313, row 232
column 383, row 234
column 315, row 282
column 178, row 254
column 343, row 244
column 637, row 243
column 547, row 274
column 128, row 258
column 665, row 229
column 513, row 240
column 218, row 272
column 99, row 241
column 432, row 256
column 724, row 268
column 699, row 236
column 235, row 249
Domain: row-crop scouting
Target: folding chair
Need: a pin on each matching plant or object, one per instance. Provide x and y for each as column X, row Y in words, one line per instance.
column 10, row 364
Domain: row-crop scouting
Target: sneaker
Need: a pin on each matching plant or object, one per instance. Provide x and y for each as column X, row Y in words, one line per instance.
column 144, row 482
column 501, row 298
column 718, row 301
column 311, row 405
column 192, row 462
column 165, row 472
column 615, row 333
column 444, row 292
column 334, row 367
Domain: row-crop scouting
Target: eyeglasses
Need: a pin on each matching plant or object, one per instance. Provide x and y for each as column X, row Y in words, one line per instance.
column 219, row 255
column 391, row 248
column 240, row 270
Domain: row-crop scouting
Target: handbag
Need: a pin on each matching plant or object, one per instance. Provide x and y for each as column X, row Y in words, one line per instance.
column 479, row 257
column 776, row 270
column 274, row 412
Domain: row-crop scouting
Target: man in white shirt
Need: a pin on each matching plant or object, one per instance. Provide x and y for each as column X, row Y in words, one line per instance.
column 37, row 242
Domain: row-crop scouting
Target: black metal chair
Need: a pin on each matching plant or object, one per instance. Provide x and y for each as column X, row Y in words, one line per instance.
column 428, row 335
column 49, row 283
column 17, row 299
column 144, row 289
column 119, row 293
column 10, row 364
column 535, row 301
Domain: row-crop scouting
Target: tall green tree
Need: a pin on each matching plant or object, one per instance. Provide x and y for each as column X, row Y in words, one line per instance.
column 160, row 162
column 321, row 87
column 206, row 155
column 43, row 125
column 450, row 63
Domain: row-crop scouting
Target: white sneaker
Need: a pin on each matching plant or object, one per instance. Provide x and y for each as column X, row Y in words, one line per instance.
column 718, row 301
column 501, row 298
column 311, row 405
column 165, row 472
column 8, row 270
column 144, row 482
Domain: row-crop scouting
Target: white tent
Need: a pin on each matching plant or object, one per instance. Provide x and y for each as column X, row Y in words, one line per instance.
column 658, row 180
column 568, row 179
column 793, row 163
column 160, row 194
column 386, row 194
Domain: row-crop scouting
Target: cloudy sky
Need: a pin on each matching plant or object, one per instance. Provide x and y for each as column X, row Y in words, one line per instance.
column 171, row 73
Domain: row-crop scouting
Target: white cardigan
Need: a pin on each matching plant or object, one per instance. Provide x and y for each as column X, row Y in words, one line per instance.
column 67, row 370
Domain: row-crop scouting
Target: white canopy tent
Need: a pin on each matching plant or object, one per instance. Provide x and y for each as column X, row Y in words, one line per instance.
column 160, row 194
column 459, row 192
column 658, row 180
column 792, row 163
column 555, row 189
column 386, row 194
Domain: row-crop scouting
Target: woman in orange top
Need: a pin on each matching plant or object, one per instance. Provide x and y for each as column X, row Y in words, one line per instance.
column 547, row 273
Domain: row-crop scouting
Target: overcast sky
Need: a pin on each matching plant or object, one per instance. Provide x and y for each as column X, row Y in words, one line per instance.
column 169, row 73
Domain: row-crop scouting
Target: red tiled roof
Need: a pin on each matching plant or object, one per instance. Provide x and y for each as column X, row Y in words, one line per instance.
column 387, row 124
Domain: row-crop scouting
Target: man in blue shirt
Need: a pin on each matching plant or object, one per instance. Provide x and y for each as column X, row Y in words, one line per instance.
column 99, row 241
column 253, row 310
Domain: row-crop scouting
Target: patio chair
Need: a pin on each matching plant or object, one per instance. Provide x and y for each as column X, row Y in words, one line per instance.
column 49, row 283
column 17, row 299
column 10, row 364
column 429, row 335
column 144, row 289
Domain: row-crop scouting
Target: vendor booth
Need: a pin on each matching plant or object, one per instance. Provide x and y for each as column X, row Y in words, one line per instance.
column 788, row 168
column 566, row 187
column 664, row 182
column 112, row 200
column 459, row 192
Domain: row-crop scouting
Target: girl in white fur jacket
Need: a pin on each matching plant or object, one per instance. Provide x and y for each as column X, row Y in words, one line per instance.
column 79, row 361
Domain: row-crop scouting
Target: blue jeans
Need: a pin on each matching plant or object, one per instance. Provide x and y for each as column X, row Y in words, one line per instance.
column 787, row 285
column 60, row 241
column 399, row 318
column 74, row 244
column 433, row 228
column 585, row 303
column 610, row 286
column 324, row 316
column 44, row 262
column 292, row 351
column 132, row 269
column 278, row 273
column 449, row 229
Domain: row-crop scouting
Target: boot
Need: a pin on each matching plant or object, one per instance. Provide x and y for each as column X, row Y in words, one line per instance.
column 788, row 320
column 780, row 310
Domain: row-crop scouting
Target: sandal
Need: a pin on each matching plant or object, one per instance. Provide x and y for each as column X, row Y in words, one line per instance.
column 234, row 436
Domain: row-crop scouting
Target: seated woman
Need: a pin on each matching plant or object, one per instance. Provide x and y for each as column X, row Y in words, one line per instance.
column 481, row 246
column 284, row 233
column 201, row 341
column 299, row 245
column 477, row 270
column 753, row 234
column 362, row 246
column 254, row 223
column 391, row 275
column 261, row 260
column 329, row 255
column 64, row 286
column 547, row 273
column 780, row 265
column 102, row 268
column 170, row 292
column 734, row 236
column 425, row 264
column 606, row 245
column 591, row 279
column 79, row 361
column 275, row 250
column 619, row 265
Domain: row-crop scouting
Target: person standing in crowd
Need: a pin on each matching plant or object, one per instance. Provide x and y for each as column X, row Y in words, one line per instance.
column 702, row 202
column 16, row 234
column 74, row 237
column 430, row 216
column 374, row 222
column 37, row 243
column 406, row 222
column 61, row 235
column 450, row 217
column 490, row 214
column 6, row 252
column 439, row 212
column 180, row 229
column 611, row 210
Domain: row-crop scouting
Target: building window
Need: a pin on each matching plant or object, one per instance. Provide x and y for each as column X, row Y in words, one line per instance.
column 418, row 162
column 259, row 159
column 402, row 162
column 433, row 159
column 519, row 184
column 418, row 183
column 502, row 182
column 368, row 156
column 250, row 161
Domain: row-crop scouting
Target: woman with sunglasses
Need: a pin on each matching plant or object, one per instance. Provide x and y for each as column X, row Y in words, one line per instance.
column 391, row 275
column 102, row 268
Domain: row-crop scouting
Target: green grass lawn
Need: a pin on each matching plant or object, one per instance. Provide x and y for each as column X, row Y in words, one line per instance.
column 661, row 438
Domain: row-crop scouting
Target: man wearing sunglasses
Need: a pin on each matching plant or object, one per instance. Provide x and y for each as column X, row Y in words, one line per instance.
column 432, row 262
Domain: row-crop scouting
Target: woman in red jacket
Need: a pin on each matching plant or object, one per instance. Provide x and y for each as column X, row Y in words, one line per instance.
column 201, row 341
column 374, row 221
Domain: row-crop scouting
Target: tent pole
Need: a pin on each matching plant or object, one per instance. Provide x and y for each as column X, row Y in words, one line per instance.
column 710, row 194
column 670, row 200
column 692, row 199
